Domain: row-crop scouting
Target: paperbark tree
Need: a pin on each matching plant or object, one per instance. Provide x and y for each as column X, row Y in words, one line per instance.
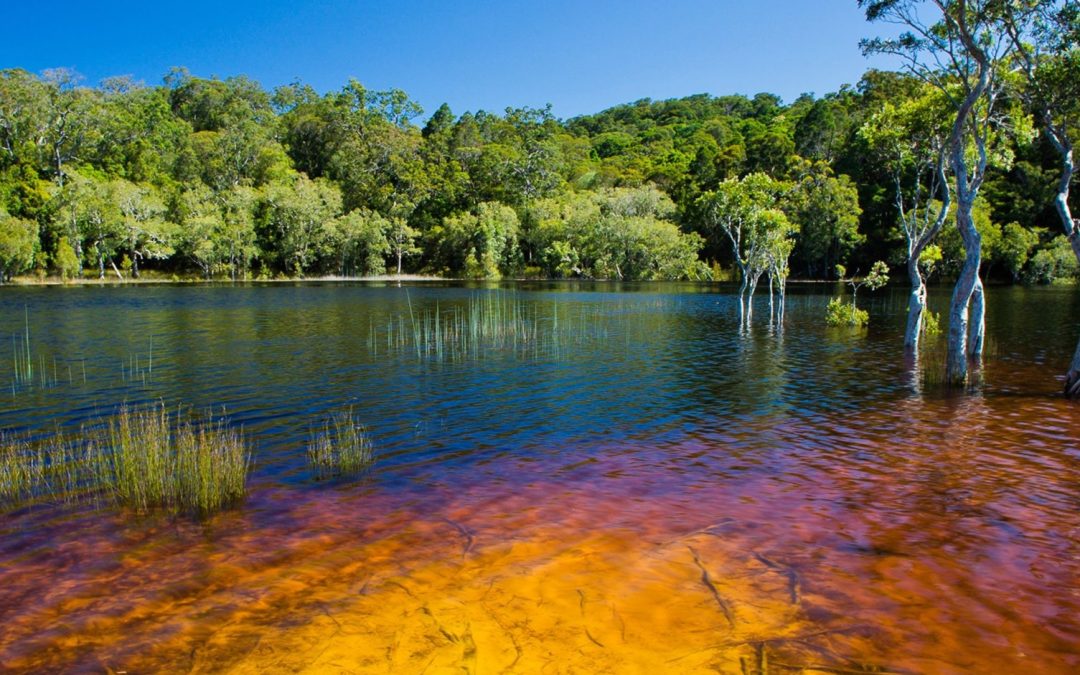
column 964, row 53
column 1045, row 35
column 746, row 213
column 910, row 141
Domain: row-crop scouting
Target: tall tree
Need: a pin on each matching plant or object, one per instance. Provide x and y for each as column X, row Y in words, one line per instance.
column 1046, row 34
column 746, row 212
column 909, row 139
column 964, row 52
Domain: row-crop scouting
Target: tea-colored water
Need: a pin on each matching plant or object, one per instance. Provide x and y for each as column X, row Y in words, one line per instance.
column 662, row 495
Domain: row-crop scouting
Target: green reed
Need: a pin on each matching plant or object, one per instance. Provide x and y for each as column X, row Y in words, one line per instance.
column 21, row 470
column 144, row 459
column 212, row 465
column 341, row 447
column 489, row 322
column 138, row 473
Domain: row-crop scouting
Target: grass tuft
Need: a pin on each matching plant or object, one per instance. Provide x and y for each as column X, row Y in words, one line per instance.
column 341, row 447
column 21, row 469
column 212, row 464
column 143, row 459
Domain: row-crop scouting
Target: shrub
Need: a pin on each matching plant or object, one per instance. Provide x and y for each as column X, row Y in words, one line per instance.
column 840, row 313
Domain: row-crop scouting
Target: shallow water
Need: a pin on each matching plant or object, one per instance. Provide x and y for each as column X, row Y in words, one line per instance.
column 634, row 485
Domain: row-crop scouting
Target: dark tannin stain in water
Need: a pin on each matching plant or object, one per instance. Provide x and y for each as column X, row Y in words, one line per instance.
column 624, row 482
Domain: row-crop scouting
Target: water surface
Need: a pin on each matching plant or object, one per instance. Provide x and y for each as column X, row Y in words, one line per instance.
column 632, row 484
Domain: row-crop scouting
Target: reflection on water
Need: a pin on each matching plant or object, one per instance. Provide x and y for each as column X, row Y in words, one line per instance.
column 649, row 492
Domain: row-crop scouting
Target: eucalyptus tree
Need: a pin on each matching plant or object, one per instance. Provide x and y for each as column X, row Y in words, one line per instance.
column 146, row 232
column 198, row 215
column 486, row 243
column 737, row 210
column 964, row 52
column 359, row 244
column 235, row 240
column 909, row 140
column 24, row 118
column 532, row 166
column 746, row 212
column 95, row 213
column 1046, row 34
column 779, row 233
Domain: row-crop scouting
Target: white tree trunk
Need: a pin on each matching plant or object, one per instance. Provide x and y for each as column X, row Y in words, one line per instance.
column 916, row 306
column 977, row 321
column 956, row 361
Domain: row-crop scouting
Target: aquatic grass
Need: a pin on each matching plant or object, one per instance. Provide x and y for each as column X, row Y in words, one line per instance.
column 196, row 468
column 138, row 473
column 141, row 459
column 488, row 322
column 212, row 463
column 341, row 447
column 21, row 470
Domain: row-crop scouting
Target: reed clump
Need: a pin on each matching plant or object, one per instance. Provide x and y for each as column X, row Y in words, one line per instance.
column 21, row 469
column 341, row 447
column 143, row 459
column 191, row 467
column 212, row 466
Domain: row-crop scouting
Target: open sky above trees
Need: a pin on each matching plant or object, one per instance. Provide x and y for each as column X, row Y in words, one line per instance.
column 581, row 57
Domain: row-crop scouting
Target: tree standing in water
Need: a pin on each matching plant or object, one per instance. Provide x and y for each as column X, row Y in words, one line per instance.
column 965, row 54
column 1045, row 35
column 909, row 139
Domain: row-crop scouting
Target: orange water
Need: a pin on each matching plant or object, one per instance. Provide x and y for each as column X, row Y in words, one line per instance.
column 930, row 536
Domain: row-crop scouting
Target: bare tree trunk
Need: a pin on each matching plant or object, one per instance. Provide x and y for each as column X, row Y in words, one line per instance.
column 956, row 363
column 1072, row 378
column 772, row 310
column 750, row 299
column 977, row 321
column 783, row 303
column 742, row 298
column 916, row 305
column 1061, row 205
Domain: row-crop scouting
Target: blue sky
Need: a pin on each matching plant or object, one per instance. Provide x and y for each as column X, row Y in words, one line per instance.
column 579, row 56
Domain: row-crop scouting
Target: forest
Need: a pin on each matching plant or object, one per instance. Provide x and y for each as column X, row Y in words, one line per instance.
column 220, row 178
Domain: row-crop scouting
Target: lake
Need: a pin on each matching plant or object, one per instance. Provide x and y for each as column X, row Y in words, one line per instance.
column 615, row 478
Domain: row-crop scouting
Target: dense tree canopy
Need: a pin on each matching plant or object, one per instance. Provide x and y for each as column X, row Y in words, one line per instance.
column 223, row 179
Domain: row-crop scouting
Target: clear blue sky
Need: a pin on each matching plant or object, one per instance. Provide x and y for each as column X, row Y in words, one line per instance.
column 580, row 56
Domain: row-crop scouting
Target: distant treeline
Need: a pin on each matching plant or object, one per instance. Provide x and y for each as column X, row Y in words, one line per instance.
column 225, row 179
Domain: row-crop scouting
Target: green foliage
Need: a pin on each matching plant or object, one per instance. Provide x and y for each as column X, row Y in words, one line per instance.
column 18, row 237
column 878, row 277
column 931, row 324
column 619, row 233
column 488, row 239
column 222, row 178
column 361, row 242
column 840, row 313
column 297, row 218
column 1054, row 264
column 1015, row 248
column 827, row 209
column 930, row 259
column 65, row 260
